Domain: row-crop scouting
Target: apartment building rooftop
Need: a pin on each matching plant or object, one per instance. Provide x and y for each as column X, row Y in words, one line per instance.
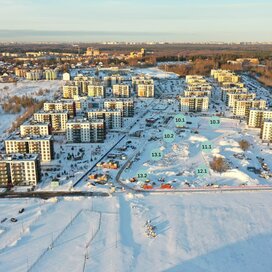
column 18, row 157
column 29, row 138
column 32, row 122
column 84, row 120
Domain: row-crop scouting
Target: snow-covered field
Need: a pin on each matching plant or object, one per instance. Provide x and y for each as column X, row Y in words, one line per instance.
column 195, row 232
column 24, row 87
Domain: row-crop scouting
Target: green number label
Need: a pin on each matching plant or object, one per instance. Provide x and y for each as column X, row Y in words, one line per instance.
column 215, row 122
column 202, row 171
column 169, row 136
column 142, row 175
column 207, row 147
column 156, row 154
column 180, row 120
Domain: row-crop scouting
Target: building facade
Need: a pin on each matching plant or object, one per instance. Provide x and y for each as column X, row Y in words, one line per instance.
column 85, row 131
column 42, row 145
column 19, row 169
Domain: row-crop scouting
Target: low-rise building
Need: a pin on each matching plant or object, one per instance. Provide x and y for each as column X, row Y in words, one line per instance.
column 42, row 145
column 19, row 169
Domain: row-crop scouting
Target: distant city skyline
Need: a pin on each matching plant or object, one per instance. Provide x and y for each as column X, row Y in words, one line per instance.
column 142, row 20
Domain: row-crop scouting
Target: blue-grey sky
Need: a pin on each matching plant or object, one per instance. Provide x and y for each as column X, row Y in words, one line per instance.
column 136, row 20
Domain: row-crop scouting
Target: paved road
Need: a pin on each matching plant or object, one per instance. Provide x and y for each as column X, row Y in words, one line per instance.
column 49, row 194
column 91, row 169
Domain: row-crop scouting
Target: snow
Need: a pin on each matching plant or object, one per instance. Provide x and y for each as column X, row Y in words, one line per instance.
column 21, row 88
column 195, row 232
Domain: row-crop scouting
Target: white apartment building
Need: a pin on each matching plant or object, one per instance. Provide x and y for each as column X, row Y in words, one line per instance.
column 35, row 128
column 242, row 107
column 126, row 106
column 56, row 119
column 121, row 90
column 113, row 118
column 96, row 91
column 19, row 169
column 257, row 116
column 232, row 97
column 194, row 104
column 85, row 131
column 42, row 145
column 266, row 131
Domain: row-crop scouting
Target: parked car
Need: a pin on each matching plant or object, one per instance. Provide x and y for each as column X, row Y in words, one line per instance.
column 21, row 210
column 3, row 220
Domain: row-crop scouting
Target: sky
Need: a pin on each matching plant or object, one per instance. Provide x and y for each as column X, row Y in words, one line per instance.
column 136, row 20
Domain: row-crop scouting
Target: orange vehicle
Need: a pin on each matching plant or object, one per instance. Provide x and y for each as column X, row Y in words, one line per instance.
column 166, row 186
column 147, row 187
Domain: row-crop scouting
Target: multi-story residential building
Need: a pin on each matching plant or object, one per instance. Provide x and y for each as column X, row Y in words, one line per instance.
column 113, row 118
column 125, row 105
column 96, row 91
column 121, row 90
column 70, row 90
column 266, row 131
column 109, row 81
column 194, row 104
column 199, row 87
column 42, row 145
column 20, row 72
column 145, row 80
column 225, row 76
column 56, row 119
column 83, row 82
column 92, row 52
column 51, row 74
column 188, row 93
column 233, row 85
column 145, row 90
column 61, row 106
column 242, row 107
column 33, row 127
column 257, row 116
column 34, row 75
column 195, row 79
column 225, row 91
column 18, row 169
column 232, row 97
column 85, row 131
